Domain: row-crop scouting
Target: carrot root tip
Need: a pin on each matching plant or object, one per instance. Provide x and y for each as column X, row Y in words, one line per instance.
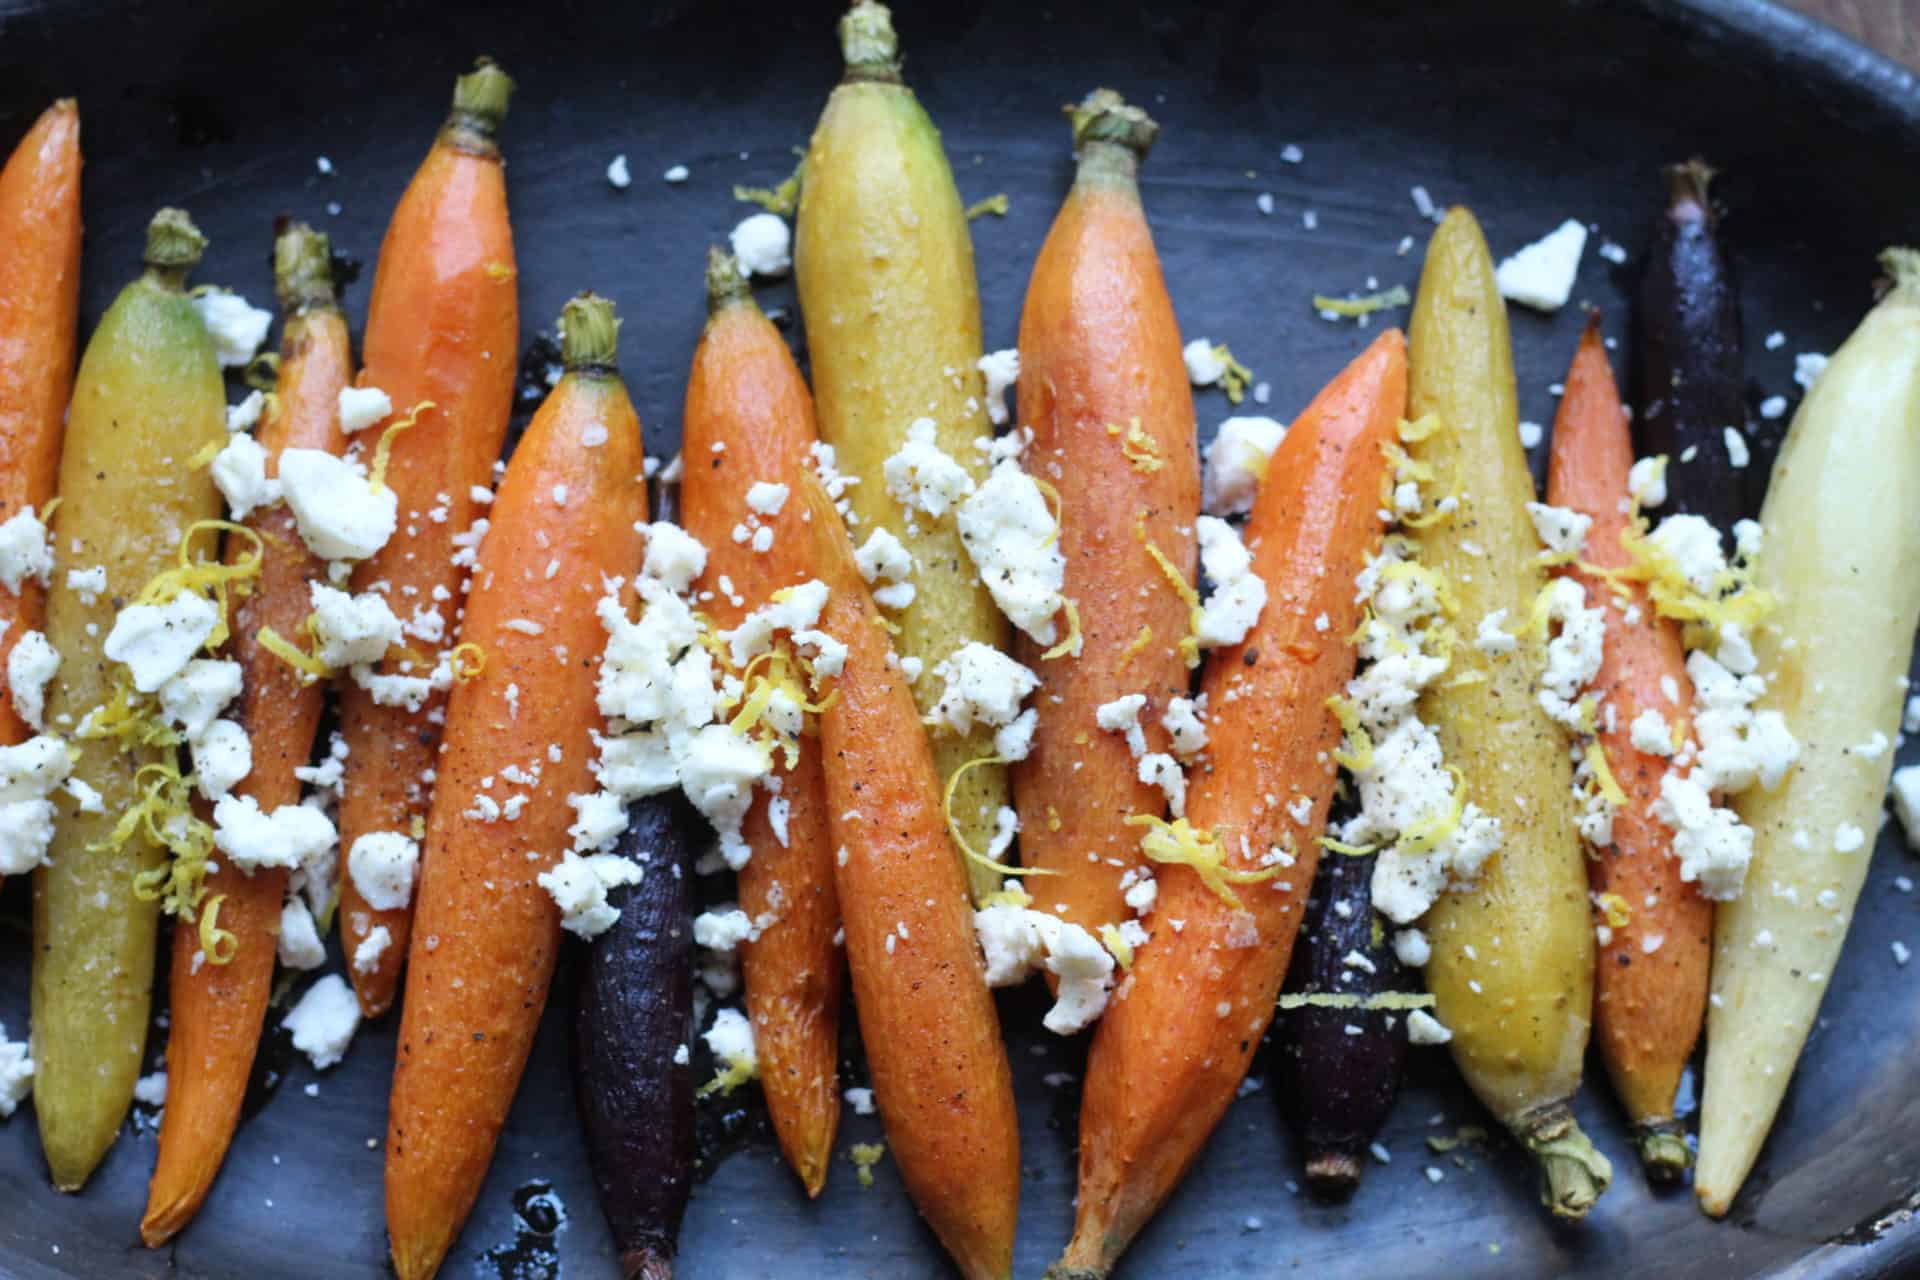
column 1332, row 1175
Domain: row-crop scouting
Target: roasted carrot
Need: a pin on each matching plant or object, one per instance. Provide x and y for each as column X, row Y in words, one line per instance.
column 749, row 412
column 1182, row 1028
column 1512, row 963
column 442, row 327
column 1841, row 538
column 217, row 1008
column 884, row 263
column 1650, row 976
column 1107, row 399
column 932, row 1037
column 148, row 397
column 564, row 523
column 39, row 312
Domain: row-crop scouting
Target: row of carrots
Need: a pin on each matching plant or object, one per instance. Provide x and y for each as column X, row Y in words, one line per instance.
column 873, row 856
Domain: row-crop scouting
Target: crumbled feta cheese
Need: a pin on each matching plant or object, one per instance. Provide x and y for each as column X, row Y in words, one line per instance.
column 619, row 177
column 339, row 514
column 920, row 476
column 362, row 407
column 1807, row 368
column 1561, row 531
column 722, row 930
column 1014, row 742
column 1122, row 715
column 1905, row 794
column 1185, row 721
column 1541, row 275
column 1235, row 464
column 1711, row 843
column 88, row 584
column 1574, row 652
column 351, row 630
column 674, row 556
column 366, row 956
column 324, row 1021
column 29, row 773
column 1492, row 638
column 600, row 818
column 24, row 552
column 1773, row 407
column 983, row 686
column 30, row 664
column 766, row 498
column 151, row 1090
column 1424, row 1028
column 1651, row 733
column 1412, row 948
column 730, row 1038
column 1158, row 769
column 240, row 473
column 861, row 1100
column 16, row 1073
column 1233, row 606
column 244, row 416
column 382, row 865
column 676, row 174
column 763, row 245
column 1847, row 838
column 1017, row 941
column 579, row 888
column 221, row 757
column 1204, row 363
column 1014, row 542
column 1738, row 745
column 1647, row 481
column 1738, row 454
column 884, row 560
column 291, row 836
column 156, row 640
column 85, row 798
column 1531, row 434
column 299, row 945
column 1001, row 370
column 235, row 325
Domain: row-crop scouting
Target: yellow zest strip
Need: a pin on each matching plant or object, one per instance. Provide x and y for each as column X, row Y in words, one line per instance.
column 1397, row 1000
column 1235, row 378
column 467, row 660
column 1596, row 758
column 500, row 270
column 1332, row 845
column 383, row 451
column 164, row 815
column 1137, row 447
column 1425, row 836
column 1421, row 428
column 783, row 199
column 1052, row 495
column 953, row 827
column 1071, row 644
column 1615, row 909
column 208, row 452
column 730, row 1077
column 995, row 204
column 865, row 1155
column 263, row 372
column 217, row 944
column 1189, row 643
column 1179, row 842
column 1360, row 758
column 309, row 667
column 1136, row 645
column 1110, row 939
column 1364, row 305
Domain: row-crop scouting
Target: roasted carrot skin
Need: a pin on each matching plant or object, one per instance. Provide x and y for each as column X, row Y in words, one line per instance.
column 1100, row 353
column 217, row 1009
column 1182, row 1028
column 148, row 394
column 927, row 1020
column 442, row 326
column 749, row 412
column 632, row 1083
column 39, row 316
column 1648, row 1004
column 483, row 956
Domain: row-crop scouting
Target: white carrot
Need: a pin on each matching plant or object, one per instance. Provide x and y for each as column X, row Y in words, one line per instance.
column 1842, row 537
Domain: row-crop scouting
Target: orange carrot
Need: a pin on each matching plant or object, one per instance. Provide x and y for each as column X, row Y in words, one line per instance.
column 1648, row 1003
column 39, row 312
column 442, row 327
column 1182, row 1027
column 1105, row 390
column 482, row 958
column 749, row 412
column 932, row 1036
column 218, row 1007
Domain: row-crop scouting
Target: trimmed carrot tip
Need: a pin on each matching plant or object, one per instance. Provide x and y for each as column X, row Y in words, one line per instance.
column 1663, row 1152
column 173, row 242
column 646, row 1263
column 726, row 282
column 868, row 42
column 1574, row 1174
column 1105, row 116
column 480, row 97
column 589, row 333
column 1332, row 1175
column 303, row 268
column 1687, row 184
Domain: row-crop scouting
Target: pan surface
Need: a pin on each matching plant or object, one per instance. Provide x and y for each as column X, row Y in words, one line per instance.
column 1530, row 112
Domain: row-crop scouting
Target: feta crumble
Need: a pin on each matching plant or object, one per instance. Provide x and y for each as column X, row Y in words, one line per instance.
column 920, row 476
column 1017, row 941
column 363, row 407
column 236, row 326
column 339, row 514
column 382, row 865
column 1001, row 369
column 324, row 1020
column 31, row 663
column 1541, row 275
column 1233, row 606
column 763, row 245
column 1236, row 462
column 579, row 888
column 1014, row 542
column 24, row 552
